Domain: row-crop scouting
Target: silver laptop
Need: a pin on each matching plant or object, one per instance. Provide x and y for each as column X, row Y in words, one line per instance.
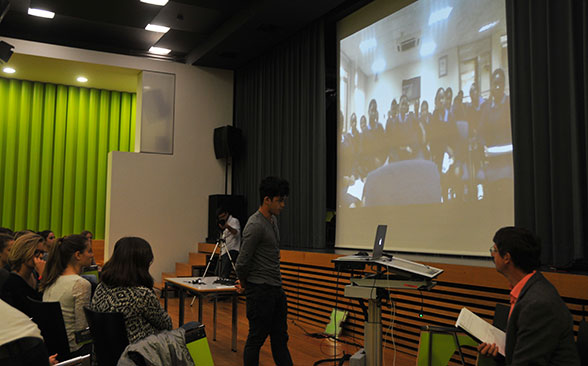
column 378, row 251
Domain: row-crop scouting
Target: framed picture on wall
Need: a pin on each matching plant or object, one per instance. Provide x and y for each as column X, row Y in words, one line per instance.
column 442, row 66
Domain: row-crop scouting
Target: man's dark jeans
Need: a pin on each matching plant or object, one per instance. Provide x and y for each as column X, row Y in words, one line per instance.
column 267, row 311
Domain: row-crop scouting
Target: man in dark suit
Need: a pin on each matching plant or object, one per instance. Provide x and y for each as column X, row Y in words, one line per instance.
column 539, row 329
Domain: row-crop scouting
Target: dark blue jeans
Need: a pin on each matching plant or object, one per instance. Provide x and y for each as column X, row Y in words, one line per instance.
column 267, row 312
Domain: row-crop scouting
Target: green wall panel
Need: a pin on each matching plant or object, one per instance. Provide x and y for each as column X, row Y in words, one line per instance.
column 54, row 144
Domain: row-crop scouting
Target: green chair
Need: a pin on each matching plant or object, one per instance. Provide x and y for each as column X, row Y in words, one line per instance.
column 438, row 344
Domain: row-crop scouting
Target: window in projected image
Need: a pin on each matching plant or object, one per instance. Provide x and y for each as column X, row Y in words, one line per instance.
column 425, row 142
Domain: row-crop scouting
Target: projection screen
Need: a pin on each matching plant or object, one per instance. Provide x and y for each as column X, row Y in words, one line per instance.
column 425, row 141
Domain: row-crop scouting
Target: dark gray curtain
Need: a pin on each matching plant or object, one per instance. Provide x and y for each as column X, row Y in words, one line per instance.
column 548, row 57
column 280, row 108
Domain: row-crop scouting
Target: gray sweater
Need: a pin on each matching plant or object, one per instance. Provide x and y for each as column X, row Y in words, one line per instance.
column 259, row 259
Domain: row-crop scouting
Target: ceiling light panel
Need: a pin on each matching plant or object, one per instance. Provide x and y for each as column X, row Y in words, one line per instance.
column 159, row 50
column 155, row 2
column 157, row 28
column 41, row 13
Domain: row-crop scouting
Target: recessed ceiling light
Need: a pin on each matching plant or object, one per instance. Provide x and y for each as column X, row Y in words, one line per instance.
column 368, row 45
column 159, row 50
column 440, row 15
column 157, row 28
column 155, row 2
column 41, row 13
column 82, row 79
column 378, row 66
column 487, row 26
column 9, row 70
column 427, row 48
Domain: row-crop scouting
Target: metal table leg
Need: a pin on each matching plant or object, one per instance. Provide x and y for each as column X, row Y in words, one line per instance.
column 182, row 296
column 214, row 320
column 234, row 324
column 165, row 295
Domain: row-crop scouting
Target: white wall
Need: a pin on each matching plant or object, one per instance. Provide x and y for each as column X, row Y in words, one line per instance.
column 163, row 198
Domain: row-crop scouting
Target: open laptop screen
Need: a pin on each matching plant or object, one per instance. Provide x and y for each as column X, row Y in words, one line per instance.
column 379, row 242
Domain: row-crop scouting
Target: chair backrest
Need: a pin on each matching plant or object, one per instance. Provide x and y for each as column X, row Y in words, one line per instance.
column 109, row 334
column 49, row 319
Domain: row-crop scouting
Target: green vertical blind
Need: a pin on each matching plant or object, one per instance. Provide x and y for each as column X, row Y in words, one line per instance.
column 54, row 145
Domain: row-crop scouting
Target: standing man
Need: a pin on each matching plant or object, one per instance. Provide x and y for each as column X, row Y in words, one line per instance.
column 539, row 329
column 231, row 235
column 258, row 270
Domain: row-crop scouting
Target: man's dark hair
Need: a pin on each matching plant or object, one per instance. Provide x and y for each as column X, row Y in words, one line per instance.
column 221, row 210
column 4, row 239
column 6, row 231
column 45, row 233
column 273, row 187
column 524, row 247
column 129, row 264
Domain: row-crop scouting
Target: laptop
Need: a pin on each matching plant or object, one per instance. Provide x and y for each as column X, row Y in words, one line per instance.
column 378, row 251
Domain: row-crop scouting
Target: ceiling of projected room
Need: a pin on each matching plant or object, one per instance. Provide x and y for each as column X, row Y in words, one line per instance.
column 412, row 21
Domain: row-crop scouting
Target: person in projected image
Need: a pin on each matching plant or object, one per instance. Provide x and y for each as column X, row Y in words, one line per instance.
column 442, row 133
column 405, row 136
column 375, row 152
column 495, row 136
column 473, row 111
column 448, row 98
column 352, row 144
column 424, row 121
column 460, row 176
column 390, row 123
column 362, row 157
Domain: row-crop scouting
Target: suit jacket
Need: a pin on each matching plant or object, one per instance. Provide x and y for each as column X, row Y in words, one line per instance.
column 539, row 330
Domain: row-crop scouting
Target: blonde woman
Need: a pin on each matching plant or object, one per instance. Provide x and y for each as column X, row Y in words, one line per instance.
column 25, row 256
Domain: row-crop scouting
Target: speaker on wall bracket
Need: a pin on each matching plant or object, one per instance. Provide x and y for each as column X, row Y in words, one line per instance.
column 228, row 141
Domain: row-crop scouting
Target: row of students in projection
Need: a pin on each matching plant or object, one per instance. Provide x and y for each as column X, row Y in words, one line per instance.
column 456, row 136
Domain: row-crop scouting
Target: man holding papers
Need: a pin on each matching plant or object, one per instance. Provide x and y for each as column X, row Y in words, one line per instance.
column 539, row 330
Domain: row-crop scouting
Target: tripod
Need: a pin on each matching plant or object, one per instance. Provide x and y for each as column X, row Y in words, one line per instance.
column 223, row 245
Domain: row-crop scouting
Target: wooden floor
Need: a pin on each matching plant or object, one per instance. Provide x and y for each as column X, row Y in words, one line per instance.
column 305, row 350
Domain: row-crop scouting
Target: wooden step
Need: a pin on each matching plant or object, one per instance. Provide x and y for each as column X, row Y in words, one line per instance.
column 183, row 270
column 198, row 259
column 207, row 248
column 168, row 275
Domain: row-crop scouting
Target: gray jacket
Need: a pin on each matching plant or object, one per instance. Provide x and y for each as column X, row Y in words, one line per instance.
column 167, row 348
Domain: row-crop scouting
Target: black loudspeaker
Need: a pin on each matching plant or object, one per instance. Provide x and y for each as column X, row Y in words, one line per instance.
column 233, row 203
column 227, row 141
column 5, row 51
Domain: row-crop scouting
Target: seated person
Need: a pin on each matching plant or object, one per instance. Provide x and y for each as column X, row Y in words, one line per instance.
column 62, row 282
column 25, row 255
column 539, row 329
column 21, row 343
column 6, row 242
column 127, row 287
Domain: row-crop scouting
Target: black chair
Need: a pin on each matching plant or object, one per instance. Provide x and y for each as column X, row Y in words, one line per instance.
column 109, row 334
column 49, row 319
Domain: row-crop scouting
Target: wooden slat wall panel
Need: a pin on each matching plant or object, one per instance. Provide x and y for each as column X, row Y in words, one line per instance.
column 314, row 288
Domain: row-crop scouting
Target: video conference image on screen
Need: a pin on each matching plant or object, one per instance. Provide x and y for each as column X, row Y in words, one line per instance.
column 424, row 128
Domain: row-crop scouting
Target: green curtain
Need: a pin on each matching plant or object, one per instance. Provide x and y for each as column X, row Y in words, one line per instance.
column 54, row 144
